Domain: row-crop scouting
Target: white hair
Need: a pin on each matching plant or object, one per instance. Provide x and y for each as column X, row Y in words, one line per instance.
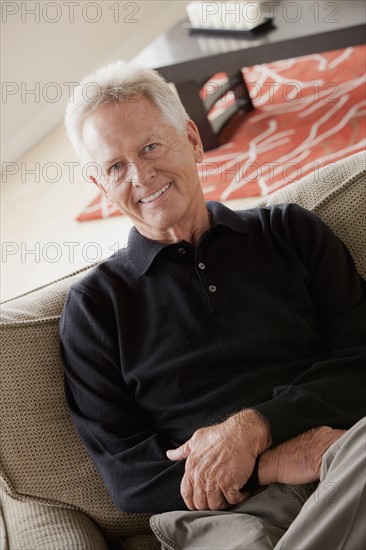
column 121, row 82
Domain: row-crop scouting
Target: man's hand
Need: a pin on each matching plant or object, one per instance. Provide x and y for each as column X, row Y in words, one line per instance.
column 220, row 460
column 298, row 460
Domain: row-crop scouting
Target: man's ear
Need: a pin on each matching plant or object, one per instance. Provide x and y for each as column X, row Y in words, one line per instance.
column 99, row 185
column 195, row 140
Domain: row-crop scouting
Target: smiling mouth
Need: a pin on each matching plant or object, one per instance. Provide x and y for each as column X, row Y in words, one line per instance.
column 156, row 195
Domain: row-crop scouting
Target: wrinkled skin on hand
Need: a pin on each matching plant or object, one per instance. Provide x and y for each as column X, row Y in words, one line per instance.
column 220, row 460
column 297, row 461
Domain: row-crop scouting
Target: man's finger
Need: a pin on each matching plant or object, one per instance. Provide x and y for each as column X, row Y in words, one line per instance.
column 215, row 498
column 199, row 498
column 186, row 491
column 235, row 497
column 179, row 454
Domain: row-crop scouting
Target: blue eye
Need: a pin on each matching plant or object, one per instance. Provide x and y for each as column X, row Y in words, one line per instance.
column 116, row 166
column 150, row 147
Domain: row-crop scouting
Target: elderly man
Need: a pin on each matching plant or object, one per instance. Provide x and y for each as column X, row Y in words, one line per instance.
column 220, row 351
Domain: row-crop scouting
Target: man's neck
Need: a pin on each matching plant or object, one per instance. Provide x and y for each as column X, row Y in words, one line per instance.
column 189, row 231
column 191, row 234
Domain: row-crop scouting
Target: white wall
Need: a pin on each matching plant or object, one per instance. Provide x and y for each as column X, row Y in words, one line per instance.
column 41, row 55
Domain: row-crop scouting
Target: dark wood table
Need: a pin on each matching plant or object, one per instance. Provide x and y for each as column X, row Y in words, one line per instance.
column 299, row 28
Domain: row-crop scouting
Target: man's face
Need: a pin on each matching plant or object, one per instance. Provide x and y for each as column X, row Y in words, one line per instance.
column 148, row 170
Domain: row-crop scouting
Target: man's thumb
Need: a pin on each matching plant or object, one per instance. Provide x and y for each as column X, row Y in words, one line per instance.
column 179, row 454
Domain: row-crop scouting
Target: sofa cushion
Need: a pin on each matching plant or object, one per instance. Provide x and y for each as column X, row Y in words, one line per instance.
column 4, row 545
column 41, row 456
column 140, row 542
column 30, row 525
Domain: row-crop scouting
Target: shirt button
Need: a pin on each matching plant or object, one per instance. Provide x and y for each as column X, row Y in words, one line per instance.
column 201, row 265
column 212, row 288
column 182, row 250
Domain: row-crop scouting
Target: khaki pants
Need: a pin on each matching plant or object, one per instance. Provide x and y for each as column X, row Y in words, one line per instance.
column 330, row 516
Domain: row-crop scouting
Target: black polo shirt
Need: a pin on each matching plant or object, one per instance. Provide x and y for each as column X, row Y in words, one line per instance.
column 267, row 312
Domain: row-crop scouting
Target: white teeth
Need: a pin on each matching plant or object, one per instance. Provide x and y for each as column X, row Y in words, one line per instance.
column 155, row 195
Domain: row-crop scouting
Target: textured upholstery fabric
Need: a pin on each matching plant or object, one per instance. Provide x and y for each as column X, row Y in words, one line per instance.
column 3, row 533
column 337, row 194
column 31, row 525
column 141, row 542
column 40, row 453
column 41, row 457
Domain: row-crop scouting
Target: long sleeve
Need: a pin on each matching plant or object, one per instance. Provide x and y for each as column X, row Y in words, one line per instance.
column 129, row 456
column 331, row 391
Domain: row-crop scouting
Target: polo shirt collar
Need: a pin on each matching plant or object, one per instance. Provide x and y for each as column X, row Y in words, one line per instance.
column 222, row 215
column 142, row 251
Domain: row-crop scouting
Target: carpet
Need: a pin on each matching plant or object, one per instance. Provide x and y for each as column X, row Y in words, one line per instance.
column 309, row 112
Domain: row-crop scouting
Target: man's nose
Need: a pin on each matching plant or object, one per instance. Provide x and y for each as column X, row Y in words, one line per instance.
column 140, row 174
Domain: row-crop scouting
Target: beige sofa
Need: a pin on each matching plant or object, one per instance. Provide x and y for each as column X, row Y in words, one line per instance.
column 51, row 495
